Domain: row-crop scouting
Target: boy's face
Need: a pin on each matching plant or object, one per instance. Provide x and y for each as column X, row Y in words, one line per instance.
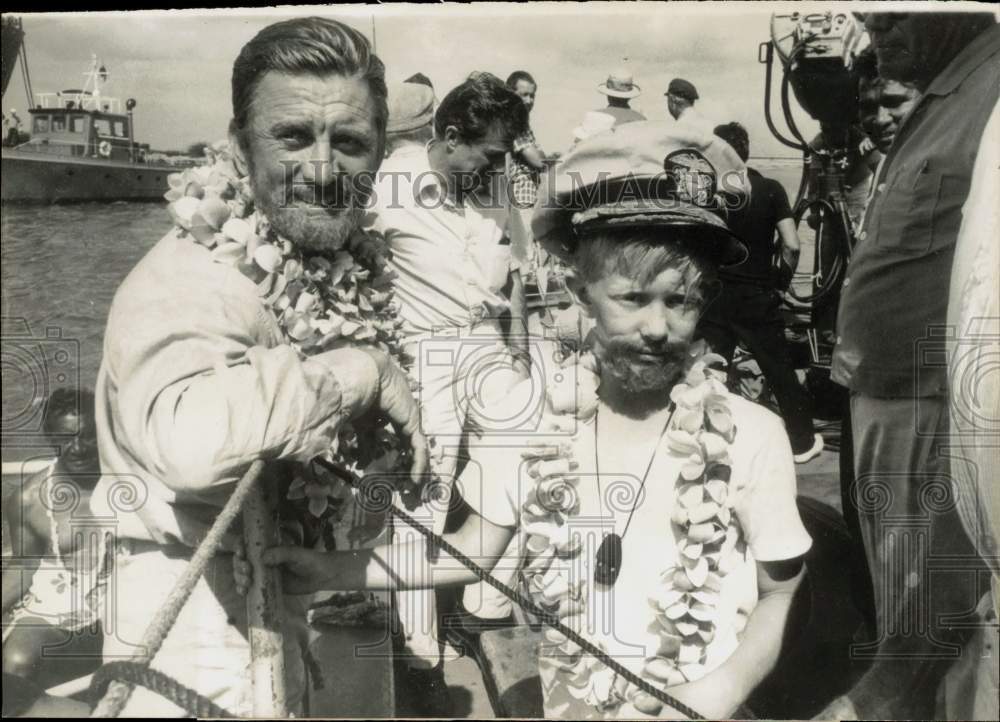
column 643, row 330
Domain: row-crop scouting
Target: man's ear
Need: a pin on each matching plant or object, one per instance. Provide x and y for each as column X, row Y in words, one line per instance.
column 578, row 290
column 451, row 137
column 236, row 148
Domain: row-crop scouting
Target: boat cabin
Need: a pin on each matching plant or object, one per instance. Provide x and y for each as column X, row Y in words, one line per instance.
column 80, row 124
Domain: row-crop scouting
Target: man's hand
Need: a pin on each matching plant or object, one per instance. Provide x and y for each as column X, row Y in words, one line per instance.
column 395, row 401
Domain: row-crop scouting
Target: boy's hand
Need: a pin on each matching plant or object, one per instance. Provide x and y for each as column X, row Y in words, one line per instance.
column 304, row 570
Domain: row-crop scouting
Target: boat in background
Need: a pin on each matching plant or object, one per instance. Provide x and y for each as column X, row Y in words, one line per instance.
column 82, row 145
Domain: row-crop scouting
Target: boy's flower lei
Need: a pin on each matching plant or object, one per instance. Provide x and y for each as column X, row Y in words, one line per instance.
column 709, row 540
column 320, row 301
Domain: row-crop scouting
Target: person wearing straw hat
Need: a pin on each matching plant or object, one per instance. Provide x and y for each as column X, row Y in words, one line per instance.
column 656, row 510
column 620, row 89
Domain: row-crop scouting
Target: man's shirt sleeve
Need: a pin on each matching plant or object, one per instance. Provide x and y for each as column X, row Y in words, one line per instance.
column 199, row 391
column 766, row 503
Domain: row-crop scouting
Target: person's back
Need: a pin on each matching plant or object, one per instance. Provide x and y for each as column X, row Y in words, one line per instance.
column 622, row 114
column 755, row 225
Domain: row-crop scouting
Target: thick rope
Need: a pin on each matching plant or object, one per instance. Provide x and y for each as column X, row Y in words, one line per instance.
column 156, row 681
column 118, row 693
column 544, row 616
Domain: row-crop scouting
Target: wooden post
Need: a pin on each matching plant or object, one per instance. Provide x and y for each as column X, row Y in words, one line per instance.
column 264, row 610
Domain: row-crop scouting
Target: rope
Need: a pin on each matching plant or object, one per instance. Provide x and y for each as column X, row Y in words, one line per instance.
column 137, row 673
column 118, row 693
column 546, row 617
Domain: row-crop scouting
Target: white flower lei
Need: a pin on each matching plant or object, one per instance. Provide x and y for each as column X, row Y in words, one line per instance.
column 708, row 534
column 320, row 301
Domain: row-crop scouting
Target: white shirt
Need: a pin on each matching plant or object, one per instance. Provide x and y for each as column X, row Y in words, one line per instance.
column 620, row 617
column 690, row 116
column 451, row 261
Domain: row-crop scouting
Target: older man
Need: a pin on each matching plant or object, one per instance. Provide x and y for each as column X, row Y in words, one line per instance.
column 593, row 480
column 197, row 379
column 891, row 352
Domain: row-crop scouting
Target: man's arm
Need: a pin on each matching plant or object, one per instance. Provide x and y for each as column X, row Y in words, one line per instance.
column 518, row 340
column 392, row 566
column 200, row 397
column 531, row 156
column 788, row 237
column 26, row 543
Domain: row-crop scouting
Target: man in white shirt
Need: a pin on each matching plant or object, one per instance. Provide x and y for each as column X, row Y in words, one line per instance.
column 657, row 510
column 444, row 211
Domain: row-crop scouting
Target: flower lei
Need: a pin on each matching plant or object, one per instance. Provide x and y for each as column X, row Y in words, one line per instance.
column 320, row 301
column 708, row 534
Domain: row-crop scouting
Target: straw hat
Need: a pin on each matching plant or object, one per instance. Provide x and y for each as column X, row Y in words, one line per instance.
column 619, row 85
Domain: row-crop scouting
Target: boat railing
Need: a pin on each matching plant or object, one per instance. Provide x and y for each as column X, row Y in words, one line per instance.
column 80, row 101
column 52, row 146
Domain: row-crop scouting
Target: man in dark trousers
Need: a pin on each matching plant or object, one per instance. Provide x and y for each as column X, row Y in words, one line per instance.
column 747, row 308
column 891, row 337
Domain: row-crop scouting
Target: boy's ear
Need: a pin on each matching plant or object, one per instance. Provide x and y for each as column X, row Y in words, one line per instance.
column 236, row 148
column 578, row 289
column 451, row 137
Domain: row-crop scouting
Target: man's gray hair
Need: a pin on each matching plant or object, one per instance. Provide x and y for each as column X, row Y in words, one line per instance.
column 313, row 45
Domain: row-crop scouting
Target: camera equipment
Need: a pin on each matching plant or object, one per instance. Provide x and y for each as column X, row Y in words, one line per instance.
column 817, row 52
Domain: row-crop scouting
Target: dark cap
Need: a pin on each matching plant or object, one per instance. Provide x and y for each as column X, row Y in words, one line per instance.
column 643, row 174
column 682, row 89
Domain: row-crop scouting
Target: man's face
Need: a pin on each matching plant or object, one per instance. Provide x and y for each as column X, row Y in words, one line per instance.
column 525, row 90
column 471, row 165
column 643, row 331
column 310, row 143
column 910, row 45
column 80, row 455
column 882, row 106
column 674, row 107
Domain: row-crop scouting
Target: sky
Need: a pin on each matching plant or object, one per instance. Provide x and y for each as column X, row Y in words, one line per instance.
column 177, row 64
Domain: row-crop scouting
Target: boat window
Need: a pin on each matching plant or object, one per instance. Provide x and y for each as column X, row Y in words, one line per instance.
column 120, row 128
column 41, row 124
column 79, row 124
column 102, row 126
column 58, row 124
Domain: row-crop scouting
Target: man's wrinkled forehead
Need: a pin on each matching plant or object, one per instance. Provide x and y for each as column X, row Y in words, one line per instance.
column 290, row 97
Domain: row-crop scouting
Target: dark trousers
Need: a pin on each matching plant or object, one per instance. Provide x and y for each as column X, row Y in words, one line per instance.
column 749, row 313
column 926, row 575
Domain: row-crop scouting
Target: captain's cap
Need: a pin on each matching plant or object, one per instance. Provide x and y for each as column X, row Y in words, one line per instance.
column 682, row 89
column 411, row 106
column 643, row 174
